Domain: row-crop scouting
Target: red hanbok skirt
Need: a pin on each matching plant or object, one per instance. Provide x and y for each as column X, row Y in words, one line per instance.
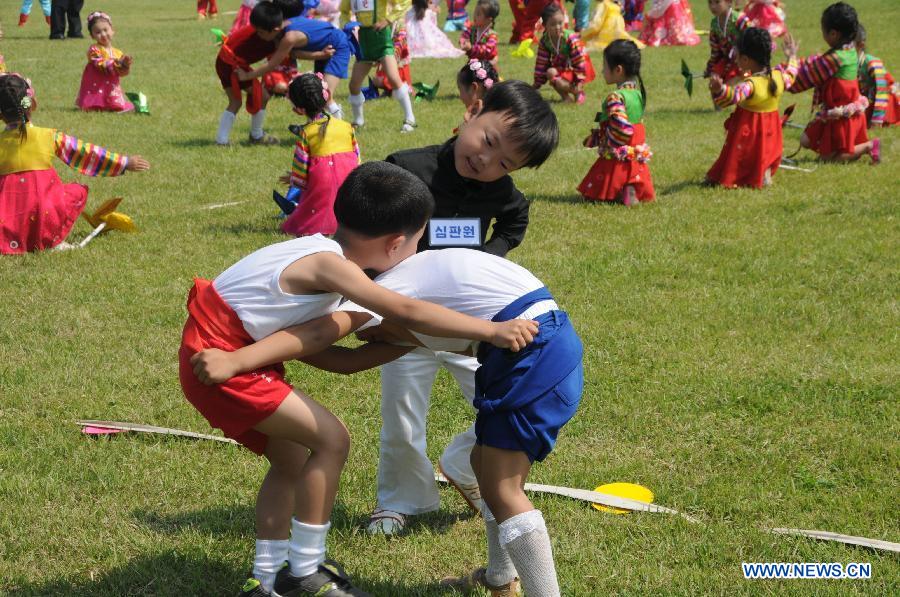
column 37, row 210
column 753, row 145
column 841, row 135
column 607, row 177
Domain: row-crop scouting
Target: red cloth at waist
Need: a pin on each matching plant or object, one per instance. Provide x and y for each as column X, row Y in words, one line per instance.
column 219, row 323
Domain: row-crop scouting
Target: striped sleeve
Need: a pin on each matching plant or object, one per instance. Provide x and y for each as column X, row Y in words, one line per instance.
column 466, row 34
column 355, row 144
column 485, row 50
column 788, row 73
column 733, row 94
column 300, row 164
column 878, row 74
column 541, row 64
column 619, row 129
column 99, row 60
column 579, row 58
column 88, row 158
column 815, row 71
column 716, row 53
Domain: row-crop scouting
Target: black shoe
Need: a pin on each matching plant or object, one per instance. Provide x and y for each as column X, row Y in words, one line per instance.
column 252, row 588
column 295, row 129
column 330, row 580
column 76, row 36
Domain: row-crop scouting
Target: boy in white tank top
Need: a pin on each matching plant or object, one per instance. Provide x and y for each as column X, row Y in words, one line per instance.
column 381, row 211
column 523, row 399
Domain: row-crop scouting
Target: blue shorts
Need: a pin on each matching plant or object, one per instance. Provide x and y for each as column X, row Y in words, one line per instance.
column 339, row 63
column 525, row 398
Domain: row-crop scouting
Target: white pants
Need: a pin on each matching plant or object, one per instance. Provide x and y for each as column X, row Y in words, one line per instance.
column 405, row 474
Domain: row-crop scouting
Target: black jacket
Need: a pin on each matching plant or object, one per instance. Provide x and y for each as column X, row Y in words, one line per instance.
column 456, row 196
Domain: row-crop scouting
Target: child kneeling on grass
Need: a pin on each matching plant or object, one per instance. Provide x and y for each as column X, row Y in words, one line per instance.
column 523, row 399
column 381, row 212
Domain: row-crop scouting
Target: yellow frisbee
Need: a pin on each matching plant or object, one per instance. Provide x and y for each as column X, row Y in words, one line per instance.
column 624, row 490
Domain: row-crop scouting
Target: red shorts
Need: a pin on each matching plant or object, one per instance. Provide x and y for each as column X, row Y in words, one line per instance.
column 242, row 402
column 224, row 70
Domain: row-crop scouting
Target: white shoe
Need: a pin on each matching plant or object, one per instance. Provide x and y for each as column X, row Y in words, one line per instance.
column 470, row 493
column 408, row 126
column 386, row 522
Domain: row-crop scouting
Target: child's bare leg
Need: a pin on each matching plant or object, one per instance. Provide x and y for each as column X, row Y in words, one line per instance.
column 333, row 107
column 858, row 151
column 565, row 89
column 356, row 99
column 401, row 90
column 302, row 420
column 276, row 498
column 804, row 140
column 522, row 531
column 226, row 122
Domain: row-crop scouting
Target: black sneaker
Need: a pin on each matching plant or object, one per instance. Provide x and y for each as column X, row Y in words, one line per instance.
column 295, row 129
column 252, row 588
column 330, row 580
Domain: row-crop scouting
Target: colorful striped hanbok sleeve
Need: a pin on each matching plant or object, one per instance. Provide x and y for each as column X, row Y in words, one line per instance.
column 619, row 129
column 355, row 144
column 541, row 64
column 489, row 47
column 815, row 71
column 88, row 158
column 466, row 34
column 578, row 57
column 878, row 73
column 788, row 73
column 300, row 164
column 98, row 58
column 733, row 94
column 716, row 50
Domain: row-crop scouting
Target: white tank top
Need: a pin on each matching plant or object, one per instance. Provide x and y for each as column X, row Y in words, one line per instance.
column 251, row 288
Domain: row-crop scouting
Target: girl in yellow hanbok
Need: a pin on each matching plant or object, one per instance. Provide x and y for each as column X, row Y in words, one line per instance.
column 607, row 26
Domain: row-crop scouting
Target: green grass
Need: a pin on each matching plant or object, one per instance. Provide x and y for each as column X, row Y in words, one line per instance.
column 741, row 346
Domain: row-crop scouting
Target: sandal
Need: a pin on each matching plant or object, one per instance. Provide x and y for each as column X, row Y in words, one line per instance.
column 477, row 581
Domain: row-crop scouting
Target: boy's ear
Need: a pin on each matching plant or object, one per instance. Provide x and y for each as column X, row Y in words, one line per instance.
column 393, row 243
column 473, row 110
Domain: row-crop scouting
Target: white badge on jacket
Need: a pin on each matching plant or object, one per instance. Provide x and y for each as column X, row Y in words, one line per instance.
column 454, row 232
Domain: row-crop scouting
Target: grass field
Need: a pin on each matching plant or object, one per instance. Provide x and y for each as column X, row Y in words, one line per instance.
column 741, row 346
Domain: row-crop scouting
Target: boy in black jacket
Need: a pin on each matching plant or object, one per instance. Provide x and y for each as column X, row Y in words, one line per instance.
column 512, row 127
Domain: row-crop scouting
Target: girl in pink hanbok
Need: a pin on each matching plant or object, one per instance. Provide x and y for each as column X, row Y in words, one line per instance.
column 669, row 23
column 425, row 38
column 100, row 88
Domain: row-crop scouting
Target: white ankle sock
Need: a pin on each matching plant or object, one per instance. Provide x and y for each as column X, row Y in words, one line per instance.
column 226, row 122
column 335, row 110
column 500, row 569
column 256, row 124
column 525, row 538
column 402, row 95
column 270, row 557
column 307, row 547
column 356, row 103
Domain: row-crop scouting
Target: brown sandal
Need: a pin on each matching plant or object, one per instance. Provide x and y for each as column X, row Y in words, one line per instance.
column 477, row 581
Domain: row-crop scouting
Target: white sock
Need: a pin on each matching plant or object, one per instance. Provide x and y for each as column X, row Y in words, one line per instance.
column 335, row 110
column 307, row 547
column 226, row 122
column 525, row 538
column 256, row 124
column 270, row 557
column 500, row 569
column 402, row 95
column 356, row 102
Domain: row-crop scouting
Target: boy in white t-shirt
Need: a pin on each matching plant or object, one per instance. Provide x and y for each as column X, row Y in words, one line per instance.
column 523, row 399
column 381, row 211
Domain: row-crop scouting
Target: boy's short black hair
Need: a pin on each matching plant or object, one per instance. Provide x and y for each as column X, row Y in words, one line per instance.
column 290, row 8
column 533, row 126
column 379, row 198
column 266, row 16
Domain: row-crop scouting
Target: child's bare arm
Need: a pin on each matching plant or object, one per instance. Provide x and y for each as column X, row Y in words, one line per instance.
column 212, row 366
column 329, row 272
column 339, row 359
column 290, row 41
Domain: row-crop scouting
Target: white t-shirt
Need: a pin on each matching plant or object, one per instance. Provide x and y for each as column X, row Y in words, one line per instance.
column 251, row 287
column 472, row 282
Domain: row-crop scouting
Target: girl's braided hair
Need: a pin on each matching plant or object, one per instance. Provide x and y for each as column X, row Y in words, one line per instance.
column 756, row 44
column 307, row 93
column 15, row 102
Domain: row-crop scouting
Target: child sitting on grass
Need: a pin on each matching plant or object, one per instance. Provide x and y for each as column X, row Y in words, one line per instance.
column 561, row 58
column 100, row 87
column 838, row 130
column 381, row 212
column 37, row 210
